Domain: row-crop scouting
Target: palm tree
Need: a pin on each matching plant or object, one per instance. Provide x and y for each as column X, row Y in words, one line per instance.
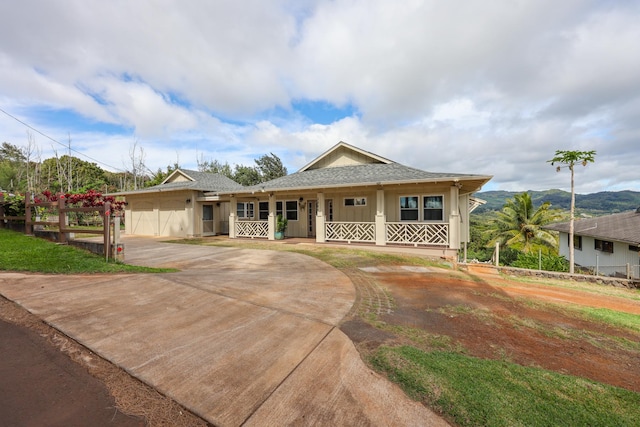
column 570, row 158
column 519, row 225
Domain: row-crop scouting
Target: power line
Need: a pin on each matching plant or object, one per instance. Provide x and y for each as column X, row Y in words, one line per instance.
column 68, row 147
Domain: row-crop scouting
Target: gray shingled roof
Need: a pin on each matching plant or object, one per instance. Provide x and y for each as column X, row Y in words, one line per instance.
column 203, row 181
column 367, row 174
column 206, row 181
column 622, row 227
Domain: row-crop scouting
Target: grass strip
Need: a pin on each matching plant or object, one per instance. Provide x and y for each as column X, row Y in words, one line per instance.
column 472, row 392
column 19, row 252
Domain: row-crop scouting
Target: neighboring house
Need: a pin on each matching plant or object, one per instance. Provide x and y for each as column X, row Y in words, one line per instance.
column 176, row 206
column 607, row 244
column 345, row 195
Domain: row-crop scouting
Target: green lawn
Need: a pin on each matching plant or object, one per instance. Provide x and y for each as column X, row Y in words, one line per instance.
column 19, row 252
column 477, row 392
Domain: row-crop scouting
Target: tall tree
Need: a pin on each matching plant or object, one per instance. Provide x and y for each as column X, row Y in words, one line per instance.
column 246, row 175
column 55, row 175
column 270, row 167
column 138, row 167
column 12, row 168
column 519, row 225
column 570, row 159
column 214, row 166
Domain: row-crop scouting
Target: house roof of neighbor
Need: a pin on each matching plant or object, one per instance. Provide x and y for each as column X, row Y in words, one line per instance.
column 621, row 227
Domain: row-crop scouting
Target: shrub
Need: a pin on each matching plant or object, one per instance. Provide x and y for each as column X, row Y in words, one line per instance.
column 549, row 262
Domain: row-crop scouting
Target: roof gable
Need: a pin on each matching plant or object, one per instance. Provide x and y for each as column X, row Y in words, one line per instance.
column 343, row 154
column 177, row 176
column 184, row 179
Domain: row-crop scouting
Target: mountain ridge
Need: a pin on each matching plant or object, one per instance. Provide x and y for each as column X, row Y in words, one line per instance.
column 600, row 203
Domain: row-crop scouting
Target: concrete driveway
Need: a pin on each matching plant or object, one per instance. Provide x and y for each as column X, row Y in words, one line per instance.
column 238, row 336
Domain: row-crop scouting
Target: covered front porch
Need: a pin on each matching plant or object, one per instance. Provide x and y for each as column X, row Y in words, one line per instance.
column 356, row 232
column 331, row 217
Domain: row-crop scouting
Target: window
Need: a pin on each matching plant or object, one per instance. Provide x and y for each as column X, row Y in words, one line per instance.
column 409, row 208
column 245, row 210
column 263, row 211
column 291, row 210
column 604, row 246
column 634, row 248
column 263, row 208
column 577, row 242
column 355, row 201
column 433, row 208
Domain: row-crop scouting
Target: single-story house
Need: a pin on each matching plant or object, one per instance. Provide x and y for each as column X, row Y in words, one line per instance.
column 345, row 195
column 606, row 243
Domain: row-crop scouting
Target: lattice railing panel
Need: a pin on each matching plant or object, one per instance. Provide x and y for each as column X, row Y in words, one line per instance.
column 350, row 231
column 252, row 229
column 417, row 233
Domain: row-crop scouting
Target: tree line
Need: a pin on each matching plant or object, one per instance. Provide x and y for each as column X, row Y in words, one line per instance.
column 22, row 170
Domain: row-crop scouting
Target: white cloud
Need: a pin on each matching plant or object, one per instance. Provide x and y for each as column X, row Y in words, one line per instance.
column 471, row 87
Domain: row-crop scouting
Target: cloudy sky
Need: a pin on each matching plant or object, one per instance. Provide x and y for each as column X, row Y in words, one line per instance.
column 483, row 87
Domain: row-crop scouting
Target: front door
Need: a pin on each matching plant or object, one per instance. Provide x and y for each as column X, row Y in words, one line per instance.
column 311, row 220
column 207, row 220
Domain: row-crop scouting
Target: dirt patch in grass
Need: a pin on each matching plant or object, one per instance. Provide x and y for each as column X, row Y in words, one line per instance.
column 494, row 317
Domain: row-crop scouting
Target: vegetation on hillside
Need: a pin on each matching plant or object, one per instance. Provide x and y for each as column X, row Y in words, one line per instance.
column 602, row 203
column 518, row 228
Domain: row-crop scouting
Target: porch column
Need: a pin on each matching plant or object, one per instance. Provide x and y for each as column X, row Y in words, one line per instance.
column 233, row 212
column 320, row 228
column 454, row 218
column 272, row 217
column 381, row 219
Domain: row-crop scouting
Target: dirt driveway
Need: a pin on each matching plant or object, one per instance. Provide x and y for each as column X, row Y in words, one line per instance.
column 496, row 317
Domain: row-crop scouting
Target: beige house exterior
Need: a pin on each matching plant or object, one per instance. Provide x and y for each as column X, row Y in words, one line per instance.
column 178, row 208
column 345, row 195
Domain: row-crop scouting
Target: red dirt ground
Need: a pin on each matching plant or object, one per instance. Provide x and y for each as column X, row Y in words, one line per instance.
column 497, row 318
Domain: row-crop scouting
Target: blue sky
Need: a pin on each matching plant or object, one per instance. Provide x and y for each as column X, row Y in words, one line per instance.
column 491, row 88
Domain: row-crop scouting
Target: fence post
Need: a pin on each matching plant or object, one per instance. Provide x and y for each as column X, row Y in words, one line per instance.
column 28, row 223
column 497, row 252
column 540, row 259
column 62, row 219
column 2, row 220
column 107, row 228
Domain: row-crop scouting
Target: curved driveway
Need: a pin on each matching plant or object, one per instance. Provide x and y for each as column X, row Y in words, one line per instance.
column 238, row 336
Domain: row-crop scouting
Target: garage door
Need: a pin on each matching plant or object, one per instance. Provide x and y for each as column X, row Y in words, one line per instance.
column 172, row 218
column 143, row 220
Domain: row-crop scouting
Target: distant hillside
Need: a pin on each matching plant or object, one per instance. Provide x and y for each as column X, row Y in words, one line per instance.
column 603, row 203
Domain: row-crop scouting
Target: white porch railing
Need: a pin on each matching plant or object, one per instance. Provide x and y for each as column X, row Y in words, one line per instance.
column 416, row 233
column 350, row 231
column 252, row 229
